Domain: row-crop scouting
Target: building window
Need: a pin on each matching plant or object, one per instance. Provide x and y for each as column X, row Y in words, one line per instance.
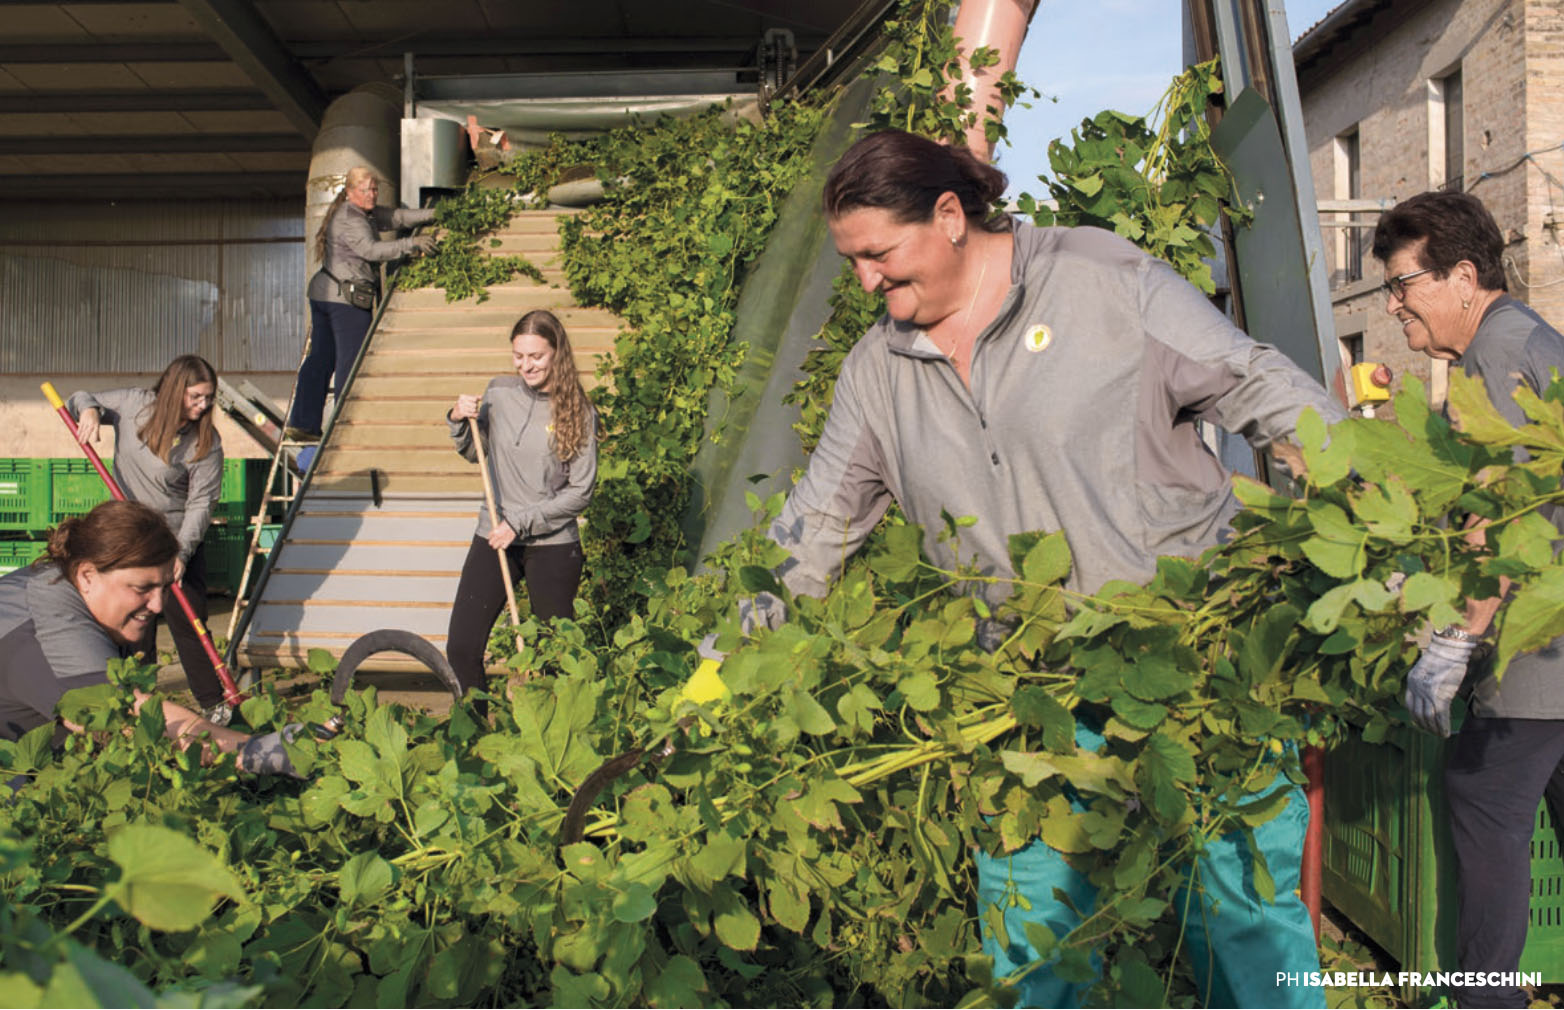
column 1446, row 132
column 1352, row 349
column 1349, row 186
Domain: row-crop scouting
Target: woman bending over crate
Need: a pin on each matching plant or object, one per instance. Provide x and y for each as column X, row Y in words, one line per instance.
column 167, row 455
column 540, row 431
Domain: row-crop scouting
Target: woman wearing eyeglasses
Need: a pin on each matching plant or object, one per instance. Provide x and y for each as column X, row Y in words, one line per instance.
column 1443, row 258
column 167, row 455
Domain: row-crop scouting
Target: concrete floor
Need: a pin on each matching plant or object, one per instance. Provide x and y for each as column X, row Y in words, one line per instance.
column 420, row 691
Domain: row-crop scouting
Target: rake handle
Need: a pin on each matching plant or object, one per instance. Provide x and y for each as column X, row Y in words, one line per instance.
column 230, row 690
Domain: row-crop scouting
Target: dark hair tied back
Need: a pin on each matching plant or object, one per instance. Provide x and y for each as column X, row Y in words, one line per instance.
column 906, row 174
column 116, row 534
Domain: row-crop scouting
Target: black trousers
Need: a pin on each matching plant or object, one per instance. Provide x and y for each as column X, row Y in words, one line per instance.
column 1497, row 772
column 336, row 334
column 552, row 573
column 199, row 671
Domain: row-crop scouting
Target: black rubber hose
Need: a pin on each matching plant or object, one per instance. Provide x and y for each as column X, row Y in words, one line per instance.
column 392, row 640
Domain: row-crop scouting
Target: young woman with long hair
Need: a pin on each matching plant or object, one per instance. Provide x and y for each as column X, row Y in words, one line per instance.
column 168, row 456
column 540, row 432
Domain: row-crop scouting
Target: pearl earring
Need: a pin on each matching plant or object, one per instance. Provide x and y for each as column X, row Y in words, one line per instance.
column 1465, row 304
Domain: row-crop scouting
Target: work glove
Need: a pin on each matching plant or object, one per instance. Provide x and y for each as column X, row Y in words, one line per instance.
column 1434, row 680
column 420, row 243
column 266, row 755
column 763, row 610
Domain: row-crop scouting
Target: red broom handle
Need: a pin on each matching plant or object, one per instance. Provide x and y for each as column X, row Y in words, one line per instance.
column 230, row 690
column 1311, row 876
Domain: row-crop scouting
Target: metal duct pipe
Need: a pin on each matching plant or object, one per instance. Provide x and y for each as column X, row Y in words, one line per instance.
column 1001, row 26
column 363, row 127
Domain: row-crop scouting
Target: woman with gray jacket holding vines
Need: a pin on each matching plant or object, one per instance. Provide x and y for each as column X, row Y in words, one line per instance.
column 540, row 431
column 167, row 455
column 343, row 291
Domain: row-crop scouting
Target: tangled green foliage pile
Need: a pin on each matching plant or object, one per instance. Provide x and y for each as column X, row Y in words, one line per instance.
column 458, row 262
column 806, row 842
column 688, row 206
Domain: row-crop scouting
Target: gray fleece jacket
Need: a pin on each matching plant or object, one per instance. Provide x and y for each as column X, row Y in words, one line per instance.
column 535, row 493
column 183, row 489
column 354, row 246
column 49, row 644
column 1081, row 418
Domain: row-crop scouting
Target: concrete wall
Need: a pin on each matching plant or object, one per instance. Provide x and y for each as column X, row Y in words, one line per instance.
column 1376, row 78
column 30, row 427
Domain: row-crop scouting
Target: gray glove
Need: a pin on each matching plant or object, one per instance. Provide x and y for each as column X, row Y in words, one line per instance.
column 763, row 610
column 420, row 243
column 1434, row 680
column 265, row 755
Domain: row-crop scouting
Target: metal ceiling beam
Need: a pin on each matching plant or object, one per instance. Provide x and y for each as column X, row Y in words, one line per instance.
column 134, row 101
column 249, row 41
column 188, row 51
column 150, row 51
column 184, row 143
column 601, row 84
column 524, row 46
column 108, row 187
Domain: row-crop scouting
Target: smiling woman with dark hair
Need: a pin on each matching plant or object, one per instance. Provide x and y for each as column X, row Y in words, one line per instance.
column 86, row 603
column 1444, row 281
column 1045, row 379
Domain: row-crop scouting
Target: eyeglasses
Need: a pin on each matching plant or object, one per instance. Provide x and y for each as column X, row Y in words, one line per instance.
column 200, row 397
column 1397, row 285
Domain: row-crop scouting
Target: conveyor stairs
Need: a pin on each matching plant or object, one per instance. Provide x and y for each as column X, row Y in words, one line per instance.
column 387, row 509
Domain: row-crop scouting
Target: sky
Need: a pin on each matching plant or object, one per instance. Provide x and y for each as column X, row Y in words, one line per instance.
column 1090, row 56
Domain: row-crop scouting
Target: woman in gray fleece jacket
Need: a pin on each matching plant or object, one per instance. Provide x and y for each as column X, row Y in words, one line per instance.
column 540, row 431
column 167, row 455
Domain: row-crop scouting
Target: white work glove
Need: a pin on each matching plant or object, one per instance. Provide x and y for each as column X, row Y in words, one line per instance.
column 1434, row 680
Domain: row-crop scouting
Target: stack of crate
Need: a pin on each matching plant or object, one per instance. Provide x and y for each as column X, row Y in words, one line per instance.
column 35, row 494
column 24, row 511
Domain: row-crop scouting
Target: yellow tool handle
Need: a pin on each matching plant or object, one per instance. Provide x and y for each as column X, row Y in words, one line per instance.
column 52, row 396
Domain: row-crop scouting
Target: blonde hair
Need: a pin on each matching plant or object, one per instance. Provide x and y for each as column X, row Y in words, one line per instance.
column 569, row 409
column 168, row 407
column 355, row 178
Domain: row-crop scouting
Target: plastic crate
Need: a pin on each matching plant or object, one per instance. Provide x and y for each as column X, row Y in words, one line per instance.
column 16, row 554
column 225, row 550
column 240, row 496
column 1389, row 864
column 75, row 488
column 24, row 494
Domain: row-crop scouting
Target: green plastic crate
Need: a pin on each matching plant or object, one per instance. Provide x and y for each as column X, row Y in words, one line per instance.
column 243, row 481
column 75, row 488
column 24, row 494
column 1389, row 864
column 16, row 554
column 225, row 550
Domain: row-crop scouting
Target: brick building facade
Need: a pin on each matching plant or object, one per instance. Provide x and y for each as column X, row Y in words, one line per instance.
column 1402, row 96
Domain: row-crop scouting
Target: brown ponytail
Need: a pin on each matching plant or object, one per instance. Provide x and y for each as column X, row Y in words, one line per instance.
column 116, row 534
